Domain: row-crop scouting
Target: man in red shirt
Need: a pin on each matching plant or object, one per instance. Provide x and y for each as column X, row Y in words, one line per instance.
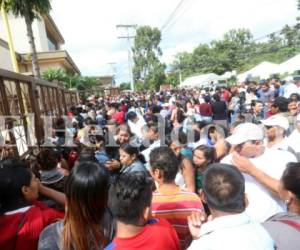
column 225, row 94
column 130, row 203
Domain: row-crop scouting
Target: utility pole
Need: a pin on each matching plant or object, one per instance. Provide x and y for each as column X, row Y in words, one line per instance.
column 128, row 37
column 180, row 78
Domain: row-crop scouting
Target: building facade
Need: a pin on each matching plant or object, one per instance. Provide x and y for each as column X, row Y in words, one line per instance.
column 48, row 41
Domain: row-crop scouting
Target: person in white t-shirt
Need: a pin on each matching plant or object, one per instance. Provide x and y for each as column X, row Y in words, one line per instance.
column 136, row 123
column 290, row 88
column 262, row 168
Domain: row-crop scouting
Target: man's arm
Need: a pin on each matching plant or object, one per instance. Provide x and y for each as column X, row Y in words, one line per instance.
column 247, row 167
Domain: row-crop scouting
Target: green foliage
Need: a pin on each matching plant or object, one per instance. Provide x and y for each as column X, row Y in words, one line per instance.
column 71, row 81
column 125, row 86
column 148, row 70
column 238, row 51
column 30, row 8
column 55, row 74
column 172, row 78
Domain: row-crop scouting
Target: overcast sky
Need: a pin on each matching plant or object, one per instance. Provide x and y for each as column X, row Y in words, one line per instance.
column 89, row 27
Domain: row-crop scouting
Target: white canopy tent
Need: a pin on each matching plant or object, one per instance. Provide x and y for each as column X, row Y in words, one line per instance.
column 262, row 70
column 290, row 65
column 199, row 80
column 227, row 75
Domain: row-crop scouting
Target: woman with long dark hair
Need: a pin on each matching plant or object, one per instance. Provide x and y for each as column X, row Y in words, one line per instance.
column 87, row 223
column 203, row 155
column 131, row 159
column 123, row 136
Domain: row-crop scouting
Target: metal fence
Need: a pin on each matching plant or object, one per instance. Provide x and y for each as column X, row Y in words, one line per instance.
column 20, row 97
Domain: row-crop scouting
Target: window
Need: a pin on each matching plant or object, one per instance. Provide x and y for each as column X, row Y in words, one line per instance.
column 52, row 44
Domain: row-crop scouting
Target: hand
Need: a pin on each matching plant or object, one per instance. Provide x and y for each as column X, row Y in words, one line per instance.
column 242, row 163
column 194, row 222
column 112, row 164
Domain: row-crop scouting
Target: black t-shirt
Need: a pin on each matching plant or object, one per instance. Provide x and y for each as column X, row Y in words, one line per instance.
column 219, row 109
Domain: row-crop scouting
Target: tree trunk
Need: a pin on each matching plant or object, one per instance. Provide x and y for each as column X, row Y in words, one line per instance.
column 35, row 65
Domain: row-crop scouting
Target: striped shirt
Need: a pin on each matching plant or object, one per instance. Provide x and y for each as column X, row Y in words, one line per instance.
column 175, row 207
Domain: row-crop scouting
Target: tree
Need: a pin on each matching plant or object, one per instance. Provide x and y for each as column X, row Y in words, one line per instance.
column 55, row 74
column 238, row 51
column 146, row 52
column 125, row 86
column 172, row 78
column 71, row 81
column 29, row 10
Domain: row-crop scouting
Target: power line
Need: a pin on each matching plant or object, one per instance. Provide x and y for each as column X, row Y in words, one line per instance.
column 172, row 14
column 179, row 15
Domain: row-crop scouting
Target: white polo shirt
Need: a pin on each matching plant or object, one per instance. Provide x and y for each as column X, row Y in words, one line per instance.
column 262, row 203
column 233, row 232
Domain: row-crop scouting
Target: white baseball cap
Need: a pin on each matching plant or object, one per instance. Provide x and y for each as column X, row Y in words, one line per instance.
column 276, row 120
column 245, row 132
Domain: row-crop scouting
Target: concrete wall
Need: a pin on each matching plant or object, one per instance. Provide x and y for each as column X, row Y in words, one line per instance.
column 5, row 60
column 19, row 33
column 44, row 66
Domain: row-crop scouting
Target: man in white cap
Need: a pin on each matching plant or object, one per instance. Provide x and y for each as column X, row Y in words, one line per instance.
column 294, row 139
column 262, row 168
column 276, row 127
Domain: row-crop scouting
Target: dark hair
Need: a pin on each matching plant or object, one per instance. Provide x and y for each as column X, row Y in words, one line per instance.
column 180, row 116
column 216, row 97
column 133, row 151
column 86, row 190
column 164, row 159
column 153, row 126
column 124, row 127
column 177, row 136
column 291, row 178
column 131, row 115
column 281, row 103
column 224, row 188
column 254, row 102
column 207, row 99
column 129, row 196
column 13, row 175
column 86, row 154
column 296, row 95
column 99, row 139
column 208, row 152
column 211, row 129
column 48, row 159
column 201, row 124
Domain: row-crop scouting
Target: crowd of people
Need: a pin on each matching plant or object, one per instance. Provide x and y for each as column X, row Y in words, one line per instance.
column 214, row 168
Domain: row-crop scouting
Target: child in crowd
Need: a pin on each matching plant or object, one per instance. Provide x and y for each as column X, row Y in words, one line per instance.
column 22, row 217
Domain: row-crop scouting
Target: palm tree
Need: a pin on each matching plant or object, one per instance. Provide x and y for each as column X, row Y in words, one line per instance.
column 30, row 10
